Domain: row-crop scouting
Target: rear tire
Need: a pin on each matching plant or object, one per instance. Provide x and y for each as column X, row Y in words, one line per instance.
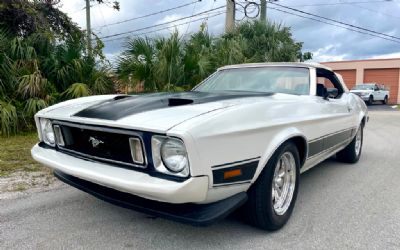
column 352, row 153
column 270, row 204
column 385, row 100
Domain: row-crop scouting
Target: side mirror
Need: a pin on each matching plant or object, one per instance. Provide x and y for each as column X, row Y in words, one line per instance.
column 331, row 92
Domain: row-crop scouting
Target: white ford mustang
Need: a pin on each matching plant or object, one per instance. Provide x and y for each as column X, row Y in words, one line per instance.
column 241, row 137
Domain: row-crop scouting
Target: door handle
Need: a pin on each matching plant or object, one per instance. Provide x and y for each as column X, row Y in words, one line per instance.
column 349, row 108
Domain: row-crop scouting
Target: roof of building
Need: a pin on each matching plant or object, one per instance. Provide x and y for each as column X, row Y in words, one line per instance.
column 365, row 60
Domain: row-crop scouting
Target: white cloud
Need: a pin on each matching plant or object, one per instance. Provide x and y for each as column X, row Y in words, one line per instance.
column 169, row 18
column 326, row 42
column 326, row 54
column 391, row 55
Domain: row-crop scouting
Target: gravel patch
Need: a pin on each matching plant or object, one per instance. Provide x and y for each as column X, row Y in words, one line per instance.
column 23, row 183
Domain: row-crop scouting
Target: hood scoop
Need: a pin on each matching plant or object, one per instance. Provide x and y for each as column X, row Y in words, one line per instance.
column 125, row 105
column 179, row 102
column 119, row 97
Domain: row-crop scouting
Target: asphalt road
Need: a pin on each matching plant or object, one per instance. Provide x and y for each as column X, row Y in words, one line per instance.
column 381, row 107
column 339, row 207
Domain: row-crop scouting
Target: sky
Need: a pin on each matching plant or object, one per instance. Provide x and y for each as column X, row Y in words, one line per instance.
column 326, row 42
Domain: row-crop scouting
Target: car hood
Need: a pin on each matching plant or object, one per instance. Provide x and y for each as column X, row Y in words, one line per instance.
column 360, row 91
column 152, row 112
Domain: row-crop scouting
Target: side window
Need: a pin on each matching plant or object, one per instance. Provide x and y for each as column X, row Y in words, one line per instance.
column 328, row 83
column 376, row 88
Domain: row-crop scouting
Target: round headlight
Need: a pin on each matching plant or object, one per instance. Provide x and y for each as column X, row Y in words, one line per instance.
column 47, row 131
column 174, row 156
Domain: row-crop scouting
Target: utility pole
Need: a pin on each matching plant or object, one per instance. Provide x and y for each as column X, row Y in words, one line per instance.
column 88, row 29
column 263, row 10
column 230, row 16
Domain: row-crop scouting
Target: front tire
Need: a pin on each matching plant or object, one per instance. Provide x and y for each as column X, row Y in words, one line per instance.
column 352, row 153
column 370, row 100
column 273, row 195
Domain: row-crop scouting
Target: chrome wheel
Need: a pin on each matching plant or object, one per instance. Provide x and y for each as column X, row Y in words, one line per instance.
column 283, row 183
column 357, row 146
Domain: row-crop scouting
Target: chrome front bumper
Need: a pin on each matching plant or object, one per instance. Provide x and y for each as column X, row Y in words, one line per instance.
column 130, row 181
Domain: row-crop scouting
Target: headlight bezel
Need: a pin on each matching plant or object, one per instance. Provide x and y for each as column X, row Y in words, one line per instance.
column 157, row 142
column 173, row 142
column 45, row 125
column 47, row 132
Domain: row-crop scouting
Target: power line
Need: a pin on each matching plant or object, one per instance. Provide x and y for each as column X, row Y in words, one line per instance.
column 160, row 24
column 355, row 4
column 150, row 14
column 335, row 21
column 104, row 20
column 187, row 28
column 208, row 14
column 165, row 28
column 84, row 8
column 332, row 24
column 374, row 11
column 339, row 3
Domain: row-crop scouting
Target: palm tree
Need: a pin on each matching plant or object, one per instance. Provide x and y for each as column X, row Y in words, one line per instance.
column 138, row 62
column 169, row 67
column 197, row 59
column 37, row 71
column 172, row 63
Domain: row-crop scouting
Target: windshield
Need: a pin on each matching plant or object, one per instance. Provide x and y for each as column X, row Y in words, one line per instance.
column 363, row 87
column 289, row 80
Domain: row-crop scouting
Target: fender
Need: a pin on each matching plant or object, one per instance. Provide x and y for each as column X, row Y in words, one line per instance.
column 362, row 112
column 274, row 144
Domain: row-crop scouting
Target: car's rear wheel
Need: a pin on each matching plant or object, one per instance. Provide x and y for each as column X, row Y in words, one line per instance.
column 385, row 100
column 273, row 195
column 352, row 153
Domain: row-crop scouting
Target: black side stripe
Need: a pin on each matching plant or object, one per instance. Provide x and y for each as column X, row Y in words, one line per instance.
column 321, row 144
column 247, row 169
column 331, row 148
column 235, row 162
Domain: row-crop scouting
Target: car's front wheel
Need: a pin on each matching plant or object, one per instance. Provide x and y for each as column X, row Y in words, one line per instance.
column 352, row 153
column 273, row 195
column 370, row 100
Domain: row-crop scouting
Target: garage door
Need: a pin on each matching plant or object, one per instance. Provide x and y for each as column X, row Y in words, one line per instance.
column 389, row 77
column 349, row 77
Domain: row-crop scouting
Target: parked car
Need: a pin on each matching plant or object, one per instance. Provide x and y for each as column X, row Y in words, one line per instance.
column 371, row 92
column 240, row 138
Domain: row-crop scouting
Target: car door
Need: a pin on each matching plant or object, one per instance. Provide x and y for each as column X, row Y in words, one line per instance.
column 378, row 93
column 336, row 122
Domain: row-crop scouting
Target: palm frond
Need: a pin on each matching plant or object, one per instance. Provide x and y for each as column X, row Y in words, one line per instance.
column 33, row 105
column 32, row 85
column 8, row 118
column 102, row 84
column 77, row 90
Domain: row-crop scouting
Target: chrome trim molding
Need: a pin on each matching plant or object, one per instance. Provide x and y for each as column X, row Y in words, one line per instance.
column 103, row 129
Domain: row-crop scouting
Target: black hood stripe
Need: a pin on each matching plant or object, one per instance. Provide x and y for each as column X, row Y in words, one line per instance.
column 123, row 106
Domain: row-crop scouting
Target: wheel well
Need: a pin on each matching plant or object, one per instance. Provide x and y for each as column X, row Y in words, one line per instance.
column 363, row 121
column 301, row 145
